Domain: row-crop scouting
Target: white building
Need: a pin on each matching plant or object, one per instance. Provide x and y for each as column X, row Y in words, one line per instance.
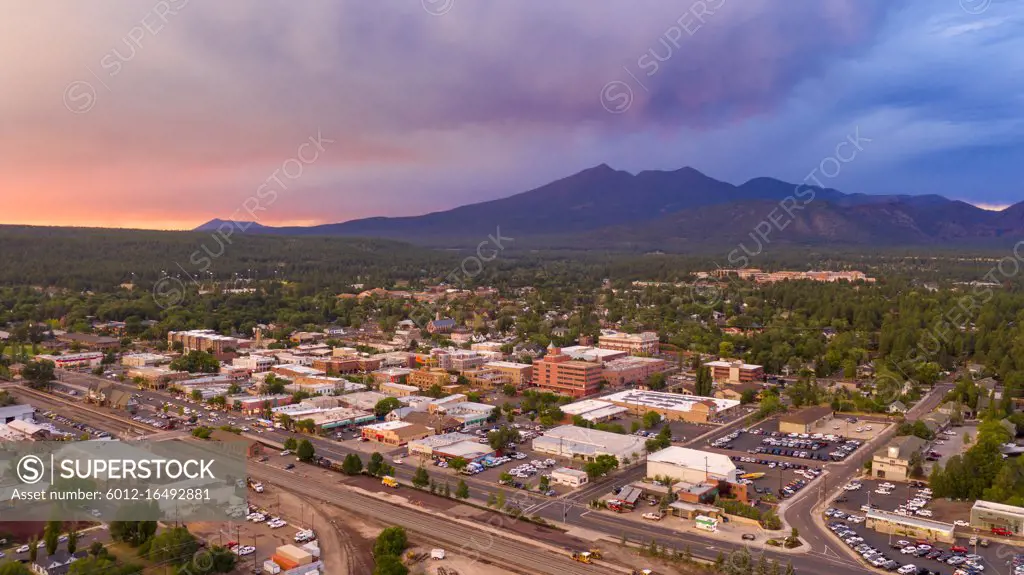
column 582, row 443
column 16, row 412
column 691, row 465
column 572, row 477
column 594, row 410
column 254, row 363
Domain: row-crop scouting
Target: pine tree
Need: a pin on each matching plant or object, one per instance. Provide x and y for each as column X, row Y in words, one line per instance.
column 462, row 490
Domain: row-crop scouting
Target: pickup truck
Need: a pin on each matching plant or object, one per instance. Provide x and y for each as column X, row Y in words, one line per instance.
column 653, row 516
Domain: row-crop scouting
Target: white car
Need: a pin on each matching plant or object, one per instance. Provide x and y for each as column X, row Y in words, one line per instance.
column 908, row 550
column 22, row 549
column 961, row 523
column 397, row 460
column 923, row 513
column 907, row 569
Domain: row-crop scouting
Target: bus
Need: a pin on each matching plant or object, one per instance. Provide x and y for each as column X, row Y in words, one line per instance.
column 706, row 523
column 264, row 423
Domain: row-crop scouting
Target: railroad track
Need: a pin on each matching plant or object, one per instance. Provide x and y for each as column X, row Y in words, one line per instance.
column 466, row 540
column 88, row 415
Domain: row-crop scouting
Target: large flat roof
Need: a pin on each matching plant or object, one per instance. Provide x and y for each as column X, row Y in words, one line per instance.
column 914, row 521
column 716, row 463
column 667, row 401
column 998, row 507
column 581, row 407
column 613, row 442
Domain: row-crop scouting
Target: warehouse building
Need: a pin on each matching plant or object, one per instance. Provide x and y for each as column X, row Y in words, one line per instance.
column 673, row 406
column 691, row 465
column 806, row 420
column 987, row 515
column 586, row 444
column 912, row 527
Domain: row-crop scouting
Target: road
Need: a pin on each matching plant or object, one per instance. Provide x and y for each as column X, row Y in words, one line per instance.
column 799, row 512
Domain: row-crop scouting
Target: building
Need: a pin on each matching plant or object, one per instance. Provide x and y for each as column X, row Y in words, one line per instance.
column 312, row 387
column 987, row 515
column 392, row 375
column 590, row 353
column 691, row 465
column 736, row 371
column 518, row 374
column 246, row 447
column 21, row 430
column 469, row 449
column 144, row 359
column 465, row 361
column 16, row 413
column 395, row 432
column 425, row 447
column 254, row 363
column 346, row 364
column 257, row 403
column 632, row 370
column 560, row 374
column 427, row 378
column 435, row 422
column 806, row 420
column 57, row 564
column 572, row 477
column 73, row 360
column 735, row 392
column 673, row 406
column 894, row 460
column 398, row 389
column 486, row 378
column 157, row 377
column 909, row 526
column 593, row 410
column 364, row 400
column 468, row 413
column 335, row 417
column 294, row 371
column 440, row 325
column 586, row 444
column 936, row 422
column 205, row 340
column 645, row 343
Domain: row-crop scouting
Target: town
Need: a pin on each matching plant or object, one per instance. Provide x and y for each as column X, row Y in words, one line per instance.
column 597, row 435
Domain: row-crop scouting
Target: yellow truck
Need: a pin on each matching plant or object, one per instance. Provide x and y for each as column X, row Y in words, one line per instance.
column 389, row 481
column 581, row 556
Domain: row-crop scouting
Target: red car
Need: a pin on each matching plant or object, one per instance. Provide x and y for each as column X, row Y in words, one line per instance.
column 958, row 549
column 1001, row 531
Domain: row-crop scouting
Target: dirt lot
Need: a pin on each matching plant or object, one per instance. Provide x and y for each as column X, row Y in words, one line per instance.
column 453, row 565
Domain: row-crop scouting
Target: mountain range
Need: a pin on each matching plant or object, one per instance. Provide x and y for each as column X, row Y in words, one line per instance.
column 682, row 209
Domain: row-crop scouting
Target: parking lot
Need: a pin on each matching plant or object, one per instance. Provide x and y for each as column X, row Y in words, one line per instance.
column 891, row 556
column 781, row 479
column 950, row 443
column 763, row 442
column 67, row 427
column 936, row 510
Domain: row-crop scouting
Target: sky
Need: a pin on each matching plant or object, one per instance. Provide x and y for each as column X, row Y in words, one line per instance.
column 166, row 114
